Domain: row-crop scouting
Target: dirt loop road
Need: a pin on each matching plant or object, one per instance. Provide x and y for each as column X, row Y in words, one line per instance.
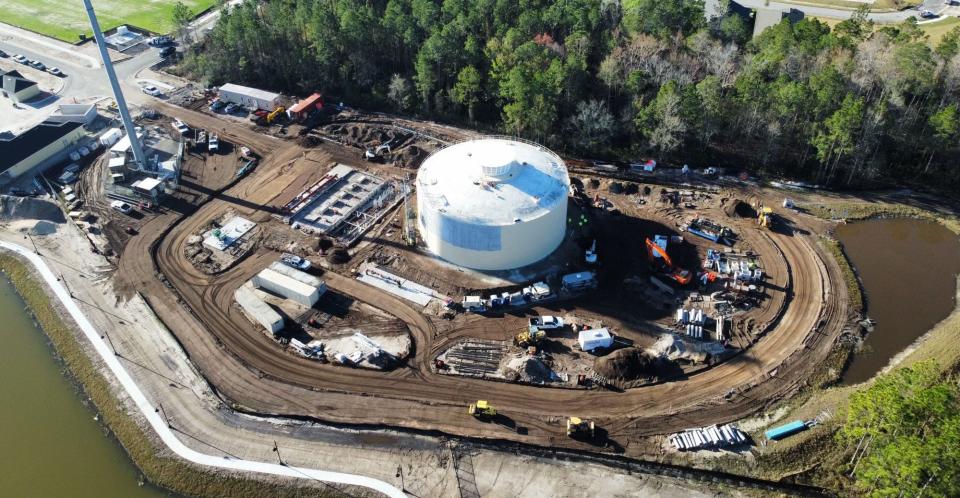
column 249, row 370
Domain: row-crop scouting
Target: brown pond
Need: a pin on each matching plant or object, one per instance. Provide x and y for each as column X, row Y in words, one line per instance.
column 909, row 273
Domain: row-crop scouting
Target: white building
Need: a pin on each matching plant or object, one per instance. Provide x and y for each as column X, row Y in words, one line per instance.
column 286, row 287
column 258, row 310
column 492, row 203
column 249, row 97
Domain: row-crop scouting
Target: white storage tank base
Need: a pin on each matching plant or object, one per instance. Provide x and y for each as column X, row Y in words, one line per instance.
column 492, row 203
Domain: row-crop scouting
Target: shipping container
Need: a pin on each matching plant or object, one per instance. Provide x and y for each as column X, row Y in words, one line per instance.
column 258, row 310
column 286, row 287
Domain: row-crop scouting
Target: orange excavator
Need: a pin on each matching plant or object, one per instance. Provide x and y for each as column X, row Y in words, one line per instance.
column 679, row 275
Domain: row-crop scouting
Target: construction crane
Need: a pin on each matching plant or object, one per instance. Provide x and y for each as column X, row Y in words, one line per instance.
column 679, row 275
column 530, row 337
column 482, row 410
column 577, row 427
column 767, row 218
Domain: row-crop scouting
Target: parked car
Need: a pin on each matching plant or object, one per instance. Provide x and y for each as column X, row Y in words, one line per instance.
column 121, row 206
column 67, row 177
column 151, row 90
column 39, row 65
column 19, row 58
column 213, row 145
column 159, row 41
column 73, row 168
column 55, row 71
column 295, row 261
column 181, row 126
column 217, row 104
column 927, row 14
column 165, row 51
column 230, row 108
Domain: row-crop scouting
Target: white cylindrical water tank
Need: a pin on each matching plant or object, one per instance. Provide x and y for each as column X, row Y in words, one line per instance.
column 492, row 203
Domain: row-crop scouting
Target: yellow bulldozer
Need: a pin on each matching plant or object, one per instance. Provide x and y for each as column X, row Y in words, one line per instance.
column 579, row 428
column 767, row 218
column 530, row 337
column 482, row 410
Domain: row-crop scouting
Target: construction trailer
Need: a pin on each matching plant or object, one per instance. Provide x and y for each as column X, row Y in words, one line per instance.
column 286, row 287
column 253, row 98
column 593, row 339
column 258, row 310
column 299, row 275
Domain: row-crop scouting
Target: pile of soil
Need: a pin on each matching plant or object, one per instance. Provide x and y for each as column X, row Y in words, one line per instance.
column 740, row 209
column 531, row 370
column 308, row 141
column 29, row 208
column 626, row 364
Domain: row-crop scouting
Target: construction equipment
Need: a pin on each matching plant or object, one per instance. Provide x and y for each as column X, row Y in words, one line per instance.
column 657, row 252
column 767, row 218
column 591, row 255
column 275, row 114
column 530, row 337
column 579, row 428
column 482, row 410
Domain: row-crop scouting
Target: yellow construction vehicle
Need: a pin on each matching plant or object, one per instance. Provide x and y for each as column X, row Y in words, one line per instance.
column 767, row 218
column 577, row 427
column 530, row 337
column 273, row 115
column 482, row 410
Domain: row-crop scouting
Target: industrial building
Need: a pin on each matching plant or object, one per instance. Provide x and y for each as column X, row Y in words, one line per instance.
column 253, row 98
column 258, row 310
column 492, row 203
column 74, row 113
column 37, row 148
column 287, row 287
column 17, row 88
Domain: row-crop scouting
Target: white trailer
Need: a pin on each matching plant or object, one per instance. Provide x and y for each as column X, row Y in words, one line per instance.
column 258, row 310
column 299, row 275
column 594, row 339
column 286, row 287
column 249, row 97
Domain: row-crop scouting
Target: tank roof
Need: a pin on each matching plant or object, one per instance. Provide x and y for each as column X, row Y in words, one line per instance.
column 493, row 181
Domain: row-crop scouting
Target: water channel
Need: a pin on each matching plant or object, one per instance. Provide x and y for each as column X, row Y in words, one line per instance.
column 52, row 446
column 909, row 273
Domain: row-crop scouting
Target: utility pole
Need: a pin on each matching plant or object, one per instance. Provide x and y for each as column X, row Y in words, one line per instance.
column 115, row 83
column 276, row 450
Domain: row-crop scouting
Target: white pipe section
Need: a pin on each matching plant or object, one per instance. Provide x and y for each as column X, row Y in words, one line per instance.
column 159, row 425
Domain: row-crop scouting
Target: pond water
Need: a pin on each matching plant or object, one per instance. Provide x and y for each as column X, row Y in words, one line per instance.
column 909, row 273
column 52, row 446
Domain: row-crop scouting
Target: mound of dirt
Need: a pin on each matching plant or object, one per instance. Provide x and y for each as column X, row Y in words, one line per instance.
column 43, row 227
column 29, row 208
column 626, row 364
column 531, row 370
column 740, row 209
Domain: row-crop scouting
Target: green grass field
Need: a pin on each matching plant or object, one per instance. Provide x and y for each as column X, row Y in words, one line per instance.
column 67, row 19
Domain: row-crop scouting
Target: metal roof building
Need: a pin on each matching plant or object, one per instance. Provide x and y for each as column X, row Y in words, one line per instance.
column 492, row 203
column 249, row 97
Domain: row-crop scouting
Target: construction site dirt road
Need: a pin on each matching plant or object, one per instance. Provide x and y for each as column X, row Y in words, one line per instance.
column 252, row 374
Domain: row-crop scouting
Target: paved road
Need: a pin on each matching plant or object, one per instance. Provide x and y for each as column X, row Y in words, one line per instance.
column 937, row 6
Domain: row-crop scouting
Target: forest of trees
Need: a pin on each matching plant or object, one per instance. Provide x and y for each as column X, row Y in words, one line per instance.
column 621, row 79
column 904, row 431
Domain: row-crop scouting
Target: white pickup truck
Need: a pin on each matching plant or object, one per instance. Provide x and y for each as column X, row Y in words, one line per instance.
column 546, row 322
